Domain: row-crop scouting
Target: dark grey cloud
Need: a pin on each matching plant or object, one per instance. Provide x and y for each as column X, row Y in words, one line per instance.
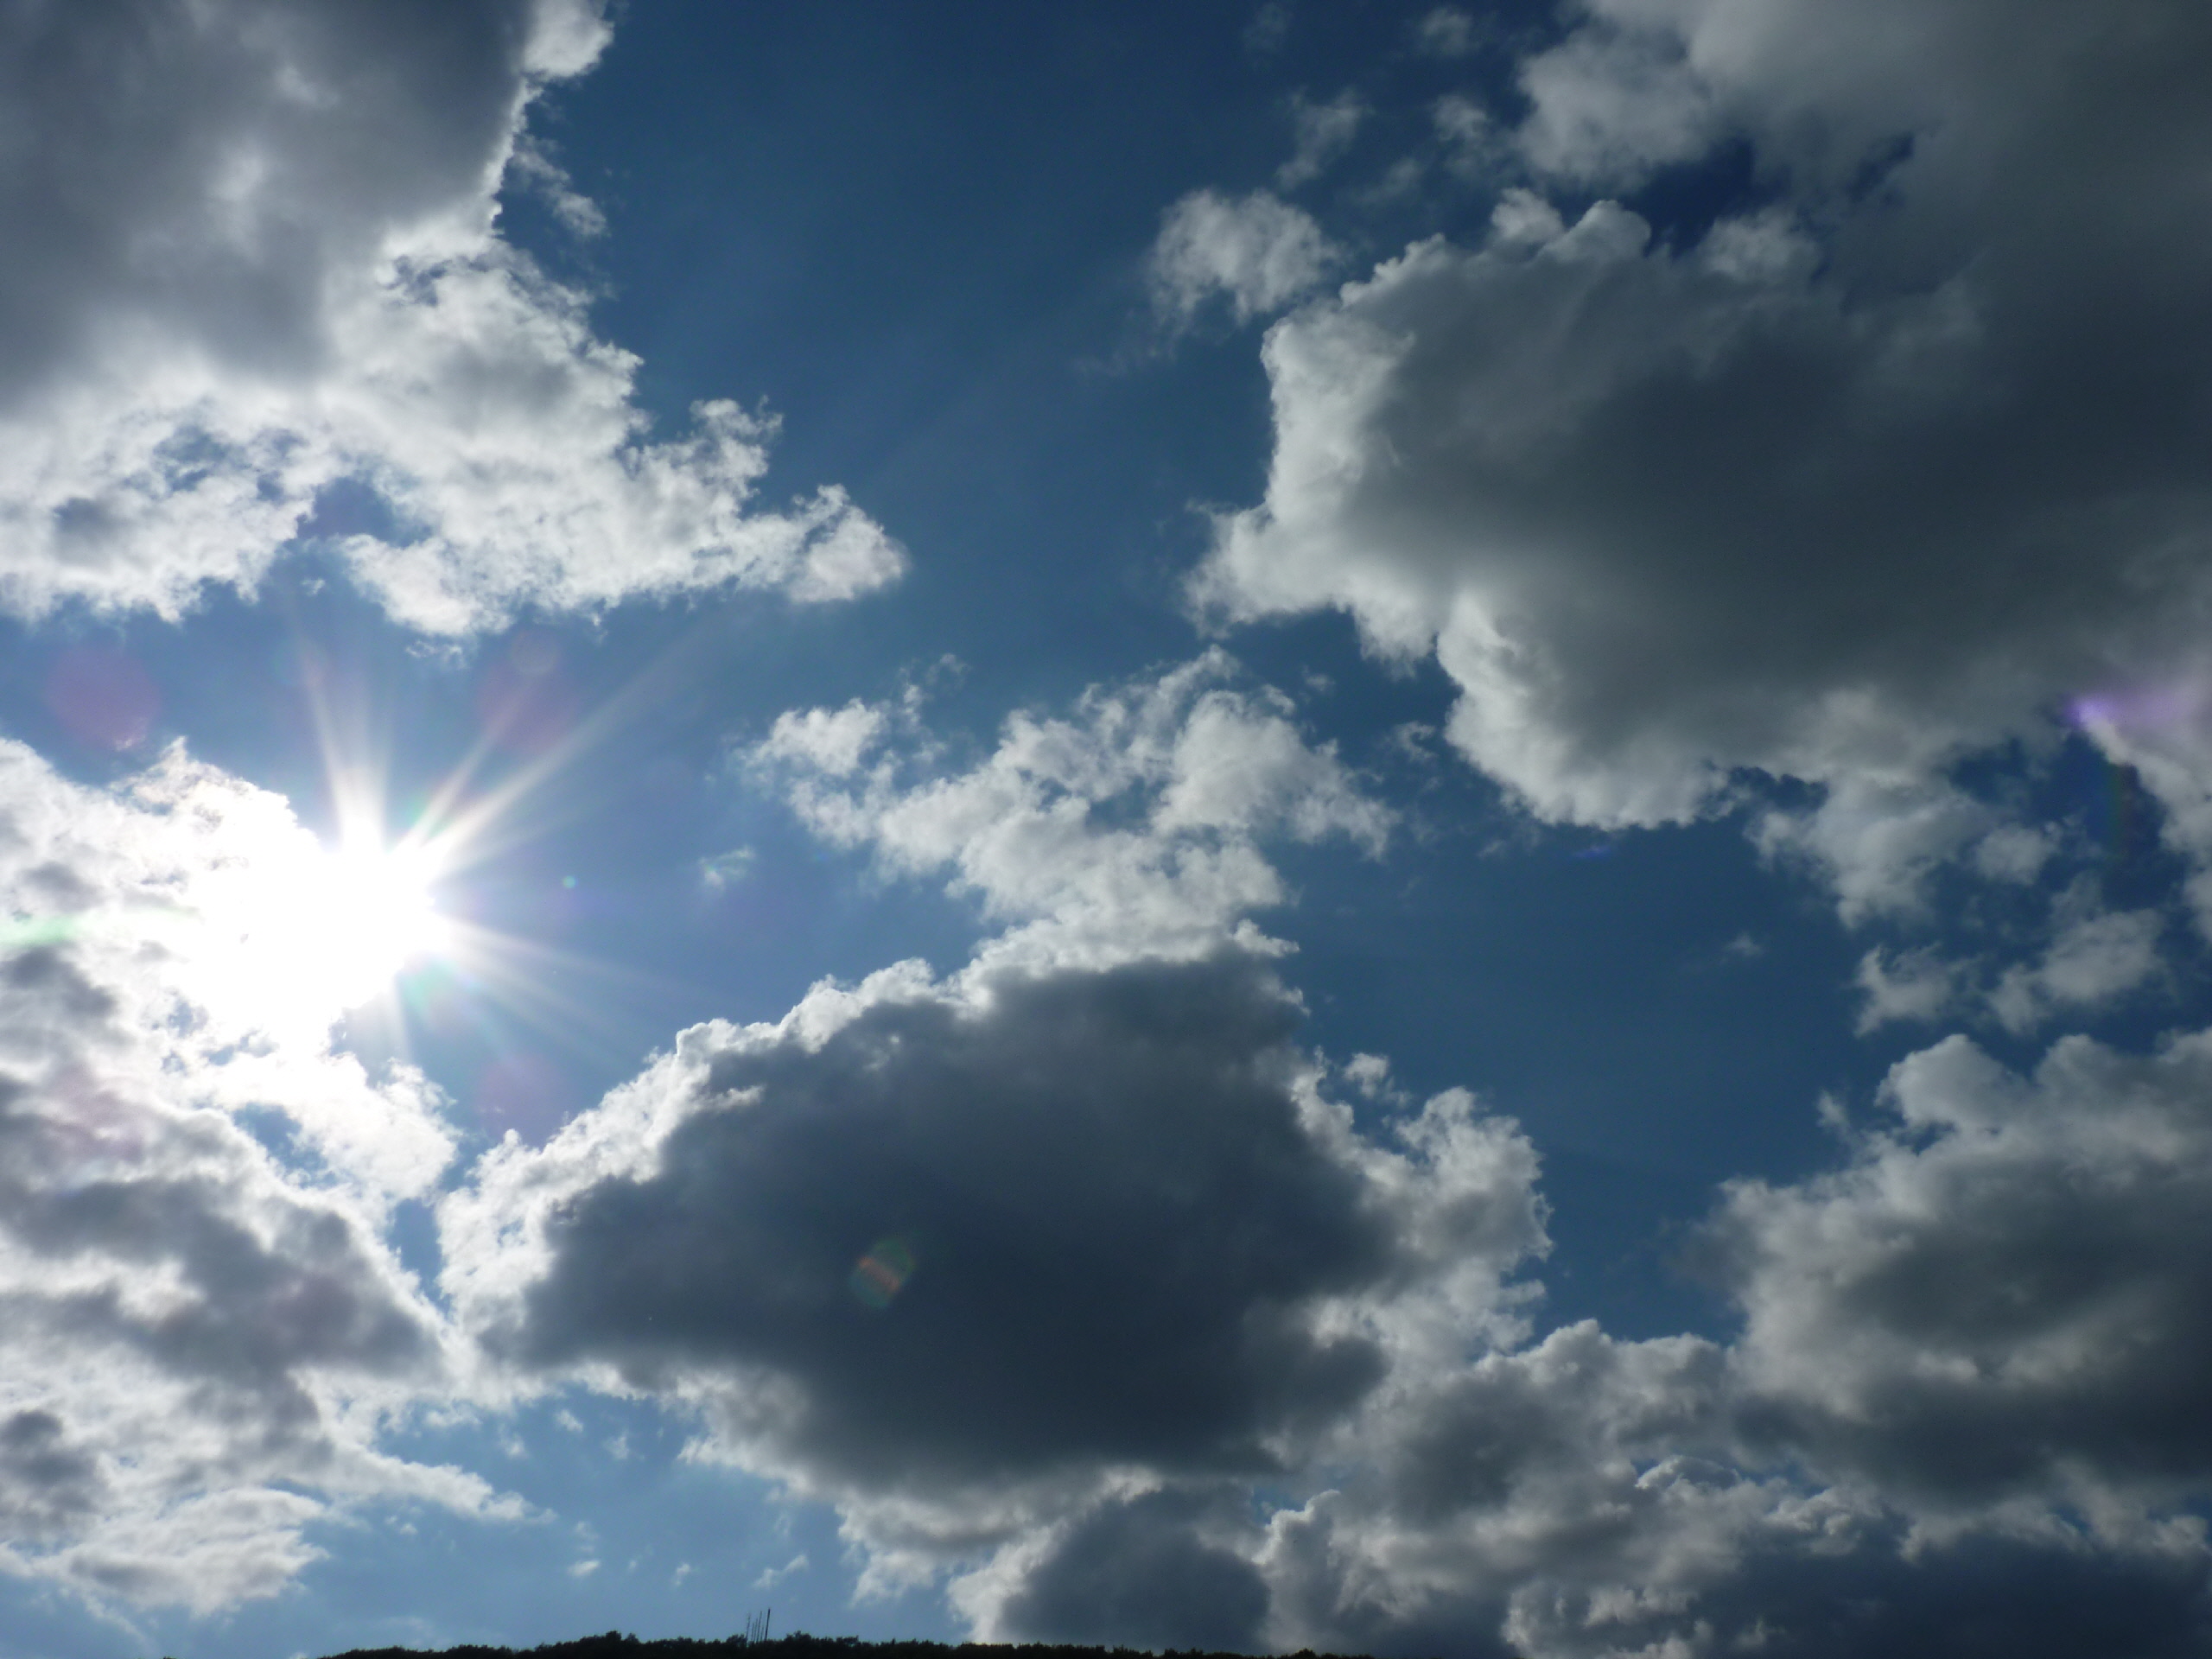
column 1141, row 1574
column 1989, row 1598
column 47, row 1484
column 1118, row 1220
column 199, row 171
column 983, row 1262
column 2004, row 1292
column 1852, row 484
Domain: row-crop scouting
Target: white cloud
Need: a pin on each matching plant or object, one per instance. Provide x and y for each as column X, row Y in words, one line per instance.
column 770, row 1577
column 1877, row 840
column 1971, row 1358
column 2093, row 959
column 1324, row 131
column 1970, row 1355
column 258, row 267
column 202, row 1342
column 1612, row 104
column 1910, row 985
column 1470, row 138
column 1256, row 252
column 1672, row 516
column 2095, row 956
column 1133, row 829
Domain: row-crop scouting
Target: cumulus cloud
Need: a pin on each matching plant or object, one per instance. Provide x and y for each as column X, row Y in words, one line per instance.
column 1965, row 1408
column 2001, row 1293
column 1133, row 828
column 1257, row 253
column 2095, row 957
column 1076, row 1284
column 259, row 295
column 985, row 1255
column 201, row 1340
column 1917, row 985
column 1842, row 489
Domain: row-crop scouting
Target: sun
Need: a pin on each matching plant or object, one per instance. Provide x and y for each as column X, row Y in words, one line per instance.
column 308, row 933
column 374, row 911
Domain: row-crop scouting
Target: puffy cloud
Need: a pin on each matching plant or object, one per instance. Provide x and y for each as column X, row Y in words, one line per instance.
column 2003, row 1295
column 1139, row 1570
column 201, row 1340
column 1072, row 1278
column 259, row 295
column 2096, row 956
column 973, row 1259
column 1841, row 489
column 1256, row 252
column 1614, row 103
column 1131, row 828
column 1904, row 985
column 2093, row 958
column 1966, row 1408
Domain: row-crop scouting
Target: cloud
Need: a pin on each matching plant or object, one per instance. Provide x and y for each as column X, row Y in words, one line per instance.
column 1268, row 28
column 2003, row 1294
column 1842, row 489
column 968, row 1261
column 1139, row 1571
column 1965, row 1408
column 201, row 1340
column 1615, row 102
column 1904, row 985
column 1324, row 132
column 1132, row 827
column 1257, row 253
column 2095, row 957
column 770, row 1577
column 260, row 297
column 1447, row 32
column 1075, row 1285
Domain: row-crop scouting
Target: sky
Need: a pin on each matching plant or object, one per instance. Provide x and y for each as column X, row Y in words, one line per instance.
column 1380, row 827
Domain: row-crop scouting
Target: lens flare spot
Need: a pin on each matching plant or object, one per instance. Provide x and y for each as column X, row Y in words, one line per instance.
column 879, row 1276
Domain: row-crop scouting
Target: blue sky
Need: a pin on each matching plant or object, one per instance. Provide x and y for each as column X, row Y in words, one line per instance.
column 1377, row 826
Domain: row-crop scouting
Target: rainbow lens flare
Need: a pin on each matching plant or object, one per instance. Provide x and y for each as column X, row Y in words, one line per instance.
column 881, row 1274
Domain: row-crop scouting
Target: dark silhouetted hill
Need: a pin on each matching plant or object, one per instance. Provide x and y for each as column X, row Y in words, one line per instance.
column 615, row 1645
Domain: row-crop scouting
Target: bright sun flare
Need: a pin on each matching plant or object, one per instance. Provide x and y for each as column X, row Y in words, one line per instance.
column 313, row 931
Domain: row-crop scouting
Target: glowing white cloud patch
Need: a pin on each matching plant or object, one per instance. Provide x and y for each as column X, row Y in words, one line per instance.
column 1256, row 252
column 1131, row 828
column 335, row 343
column 205, row 1341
